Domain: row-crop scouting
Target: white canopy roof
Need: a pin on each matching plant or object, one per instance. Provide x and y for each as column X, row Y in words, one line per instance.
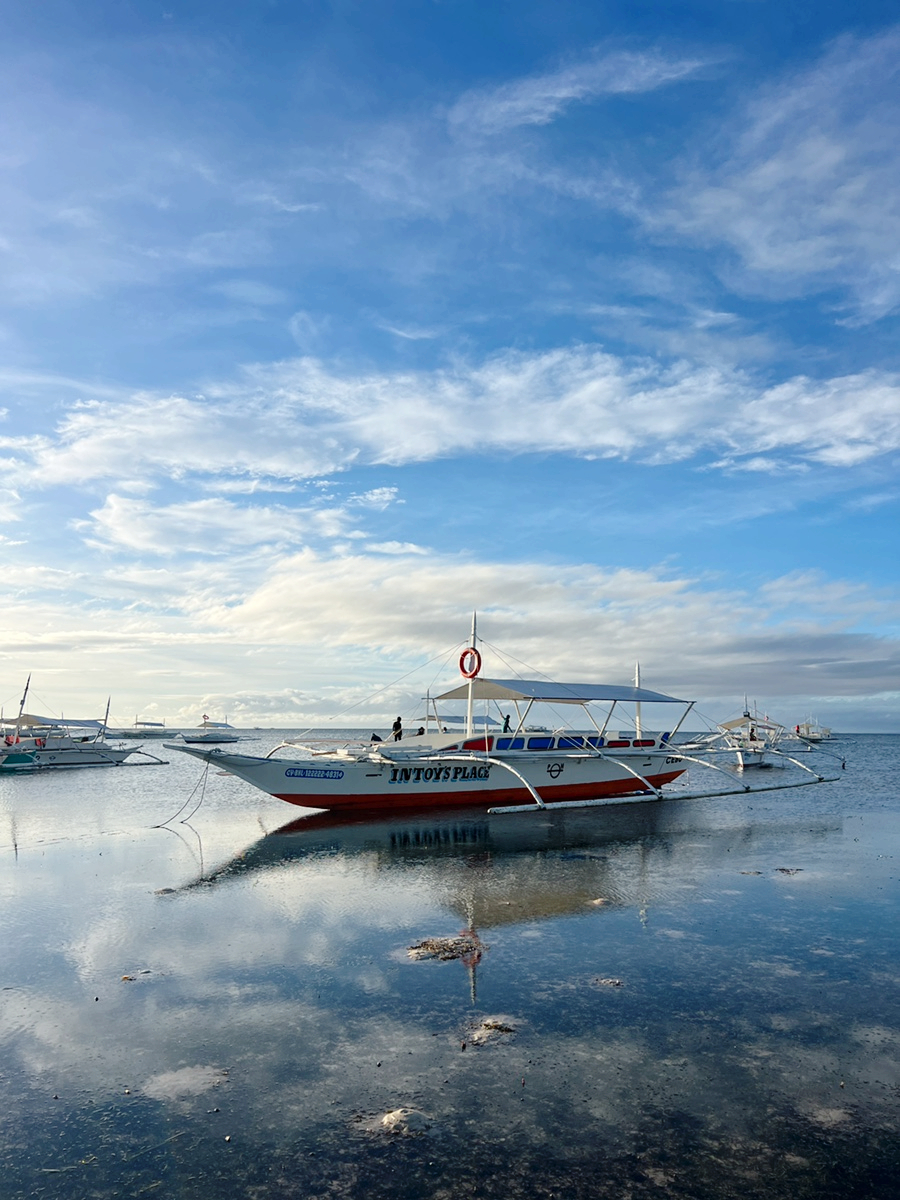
column 545, row 691
column 762, row 722
column 27, row 719
column 456, row 719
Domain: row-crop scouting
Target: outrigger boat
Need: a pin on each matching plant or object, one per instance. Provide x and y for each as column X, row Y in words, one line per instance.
column 39, row 745
column 510, row 771
column 751, row 736
column 144, row 730
column 811, row 731
column 32, row 743
column 210, row 732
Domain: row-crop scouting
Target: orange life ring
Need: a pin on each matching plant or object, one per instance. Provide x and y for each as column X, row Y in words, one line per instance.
column 469, row 663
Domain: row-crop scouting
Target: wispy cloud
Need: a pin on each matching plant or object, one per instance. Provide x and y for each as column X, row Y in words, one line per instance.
column 398, row 548
column 806, row 189
column 302, row 419
column 539, row 99
column 212, row 527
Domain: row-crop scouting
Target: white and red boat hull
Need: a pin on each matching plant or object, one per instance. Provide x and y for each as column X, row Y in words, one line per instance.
column 437, row 780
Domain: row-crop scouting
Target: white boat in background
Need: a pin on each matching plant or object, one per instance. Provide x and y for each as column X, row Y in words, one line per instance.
column 32, row 743
column 751, row 735
column 210, row 733
column 145, row 729
column 811, row 731
column 751, row 738
column 38, row 745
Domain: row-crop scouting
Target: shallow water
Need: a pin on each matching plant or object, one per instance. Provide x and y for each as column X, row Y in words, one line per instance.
column 702, row 995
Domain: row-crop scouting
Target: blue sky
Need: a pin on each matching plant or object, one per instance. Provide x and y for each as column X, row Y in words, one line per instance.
column 323, row 325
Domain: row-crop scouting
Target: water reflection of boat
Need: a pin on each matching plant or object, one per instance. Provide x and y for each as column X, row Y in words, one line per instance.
column 487, row 870
column 490, row 872
column 497, row 870
column 408, row 836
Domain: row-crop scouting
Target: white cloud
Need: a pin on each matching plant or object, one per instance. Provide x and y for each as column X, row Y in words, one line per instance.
column 806, row 193
column 580, row 621
column 301, row 419
column 839, row 422
column 344, row 626
column 307, row 330
column 539, row 99
column 395, row 548
column 873, row 500
column 206, row 527
column 10, row 505
column 410, row 333
column 377, row 498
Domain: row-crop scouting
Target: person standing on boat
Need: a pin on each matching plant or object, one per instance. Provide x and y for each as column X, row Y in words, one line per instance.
column 397, row 730
column 506, row 723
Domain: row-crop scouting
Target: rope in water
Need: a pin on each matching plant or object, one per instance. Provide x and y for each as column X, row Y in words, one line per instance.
column 201, row 783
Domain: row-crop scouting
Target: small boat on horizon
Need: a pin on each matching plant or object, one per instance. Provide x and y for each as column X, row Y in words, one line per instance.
column 811, row 731
column 213, row 733
column 144, row 729
column 752, row 738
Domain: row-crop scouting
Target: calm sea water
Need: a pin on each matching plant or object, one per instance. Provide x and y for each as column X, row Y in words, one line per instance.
column 684, row 999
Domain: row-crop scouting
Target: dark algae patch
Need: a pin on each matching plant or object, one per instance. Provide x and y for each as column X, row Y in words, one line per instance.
column 672, row 1155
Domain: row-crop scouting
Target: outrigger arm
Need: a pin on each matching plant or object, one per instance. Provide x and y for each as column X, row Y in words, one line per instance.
column 496, row 762
column 780, row 787
column 538, row 802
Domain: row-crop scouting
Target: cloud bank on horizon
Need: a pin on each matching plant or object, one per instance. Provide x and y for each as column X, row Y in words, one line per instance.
column 318, row 338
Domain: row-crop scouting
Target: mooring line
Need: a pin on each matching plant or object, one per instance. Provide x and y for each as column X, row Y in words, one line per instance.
column 201, row 780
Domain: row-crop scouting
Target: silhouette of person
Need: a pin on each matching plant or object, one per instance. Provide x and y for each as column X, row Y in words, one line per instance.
column 397, row 730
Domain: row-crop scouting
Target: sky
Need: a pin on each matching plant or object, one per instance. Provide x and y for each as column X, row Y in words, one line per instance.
column 323, row 325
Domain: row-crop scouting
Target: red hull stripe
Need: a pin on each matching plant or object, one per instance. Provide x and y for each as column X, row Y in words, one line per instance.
column 484, row 798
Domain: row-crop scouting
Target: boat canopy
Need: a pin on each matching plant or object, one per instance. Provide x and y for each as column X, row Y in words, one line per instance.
column 548, row 692
column 740, row 722
column 26, row 719
column 456, row 719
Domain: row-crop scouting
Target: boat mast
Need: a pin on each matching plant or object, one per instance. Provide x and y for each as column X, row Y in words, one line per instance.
column 470, row 701
column 22, row 703
column 637, row 707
